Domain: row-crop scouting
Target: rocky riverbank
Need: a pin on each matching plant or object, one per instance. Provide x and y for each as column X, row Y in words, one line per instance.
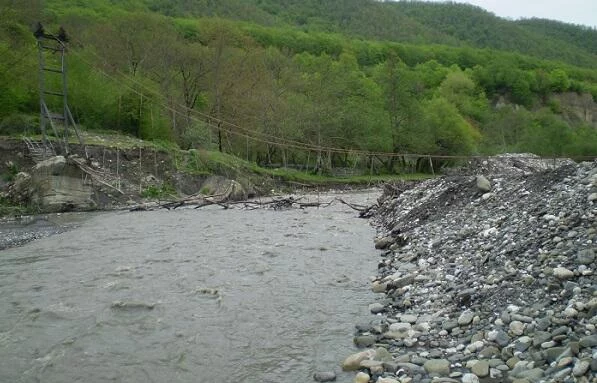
column 17, row 231
column 487, row 278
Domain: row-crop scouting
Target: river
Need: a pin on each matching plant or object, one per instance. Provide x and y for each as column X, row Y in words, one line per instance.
column 208, row 295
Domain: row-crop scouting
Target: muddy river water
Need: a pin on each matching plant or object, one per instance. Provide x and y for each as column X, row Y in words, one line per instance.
column 208, row 295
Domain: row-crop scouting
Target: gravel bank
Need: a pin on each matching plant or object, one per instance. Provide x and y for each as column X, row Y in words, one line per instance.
column 21, row 230
column 487, row 278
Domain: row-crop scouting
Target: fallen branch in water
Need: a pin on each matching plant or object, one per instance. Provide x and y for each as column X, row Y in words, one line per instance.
column 353, row 206
column 275, row 203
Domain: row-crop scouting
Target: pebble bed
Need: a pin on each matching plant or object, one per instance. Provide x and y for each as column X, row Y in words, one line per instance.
column 485, row 275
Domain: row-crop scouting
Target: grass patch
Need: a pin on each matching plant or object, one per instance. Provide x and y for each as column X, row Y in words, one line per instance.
column 12, row 172
column 9, row 209
column 158, row 191
column 309, row 178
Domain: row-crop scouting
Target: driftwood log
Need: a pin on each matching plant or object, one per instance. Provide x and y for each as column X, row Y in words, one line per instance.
column 275, row 203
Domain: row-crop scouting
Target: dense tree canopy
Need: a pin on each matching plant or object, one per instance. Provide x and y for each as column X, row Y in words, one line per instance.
column 297, row 81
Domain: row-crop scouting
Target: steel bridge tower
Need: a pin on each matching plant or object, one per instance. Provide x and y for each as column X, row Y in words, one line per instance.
column 53, row 96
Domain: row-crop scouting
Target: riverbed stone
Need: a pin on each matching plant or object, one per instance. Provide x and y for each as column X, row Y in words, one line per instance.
column 437, row 367
column 352, row 362
column 588, row 341
column 378, row 287
column 409, row 318
column 481, row 368
column 489, row 352
column 470, row 378
column 483, row 184
column 555, row 353
column 562, row 273
column 581, row 367
column 324, row 376
column 534, row 374
column 383, row 243
column 516, row 327
column 586, row 257
column 371, row 364
column 364, row 340
column 466, row 318
column 387, row 380
column 400, row 327
column 362, row 377
column 376, row 308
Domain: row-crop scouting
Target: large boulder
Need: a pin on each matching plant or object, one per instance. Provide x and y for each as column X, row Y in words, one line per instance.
column 483, row 184
column 59, row 185
column 223, row 189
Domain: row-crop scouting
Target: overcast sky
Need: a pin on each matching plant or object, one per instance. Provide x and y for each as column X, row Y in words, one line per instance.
column 570, row 11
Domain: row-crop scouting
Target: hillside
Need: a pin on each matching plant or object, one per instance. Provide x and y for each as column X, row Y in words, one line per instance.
column 312, row 84
column 406, row 21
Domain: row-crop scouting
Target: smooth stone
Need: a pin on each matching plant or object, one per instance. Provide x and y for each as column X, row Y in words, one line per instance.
column 466, row 318
column 541, row 337
column 563, row 362
column 437, row 367
column 581, row 367
column 548, row 344
column 324, row 376
column 556, row 353
column 481, row 368
column 588, row 341
column 489, row 352
column 390, row 366
column 449, row 325
column 382, row 355
column 370, row 364
column 470, row 378
column 516, row 327
column 483, row 184
column 560, row 375
column 562, row 273
column 361, row 377
column 533, row 375
column 386, row 380
column 407, row 318
column 353, row 362
column 411, row 368
column 378, row 287
column 400, row 327
column 383, row 243
column 522, row 318
column 502, row 338
column 364, row 340
column 376, row 308
column 478, row 345
column 586, row 257
column 512, row 362
column 560, row 331
column 491, row 335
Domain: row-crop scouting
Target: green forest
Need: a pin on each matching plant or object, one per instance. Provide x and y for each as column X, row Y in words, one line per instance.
column 289, row 81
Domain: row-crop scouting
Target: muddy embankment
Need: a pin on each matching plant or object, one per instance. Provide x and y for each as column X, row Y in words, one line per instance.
column 35, row 194
column 103, row 178
column 486, row 279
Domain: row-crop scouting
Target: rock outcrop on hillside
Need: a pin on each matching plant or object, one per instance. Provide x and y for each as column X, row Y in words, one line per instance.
column 488, row 276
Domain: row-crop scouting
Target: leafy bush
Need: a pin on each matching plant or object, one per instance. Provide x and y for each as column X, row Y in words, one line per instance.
column 19, row 124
